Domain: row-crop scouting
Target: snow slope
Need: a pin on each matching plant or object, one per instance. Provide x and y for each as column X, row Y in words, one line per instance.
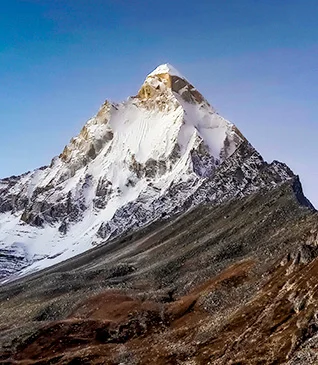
column 160, row 152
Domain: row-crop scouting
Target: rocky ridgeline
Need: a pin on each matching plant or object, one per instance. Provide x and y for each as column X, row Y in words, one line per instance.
column 243, row 173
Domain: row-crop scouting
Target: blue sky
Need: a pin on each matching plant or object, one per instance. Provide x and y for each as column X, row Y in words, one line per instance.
column 255, row 61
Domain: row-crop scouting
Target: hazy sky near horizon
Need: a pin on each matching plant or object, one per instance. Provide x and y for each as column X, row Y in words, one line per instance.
column 255, row 61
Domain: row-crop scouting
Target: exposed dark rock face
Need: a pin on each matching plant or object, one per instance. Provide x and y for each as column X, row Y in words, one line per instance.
column 12, row 259
column 38, row 212
column 240, row 175
column 203, row 163
column 103, row 190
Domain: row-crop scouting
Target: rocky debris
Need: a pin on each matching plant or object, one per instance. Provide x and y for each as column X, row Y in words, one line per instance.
column 203, row 287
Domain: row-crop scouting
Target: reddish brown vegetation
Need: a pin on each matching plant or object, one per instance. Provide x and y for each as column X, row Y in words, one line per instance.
column 264, row 331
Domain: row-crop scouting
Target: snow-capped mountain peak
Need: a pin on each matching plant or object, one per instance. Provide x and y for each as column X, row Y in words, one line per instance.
column 158, row 153
column 166, row 78
column 166, row 68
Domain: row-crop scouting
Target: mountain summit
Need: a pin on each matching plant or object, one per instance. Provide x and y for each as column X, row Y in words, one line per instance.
column 157, row 154
column 166, row 68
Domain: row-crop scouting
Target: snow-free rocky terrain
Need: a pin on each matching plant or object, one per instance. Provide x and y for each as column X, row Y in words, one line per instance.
column 159, row 153
column 173, row 241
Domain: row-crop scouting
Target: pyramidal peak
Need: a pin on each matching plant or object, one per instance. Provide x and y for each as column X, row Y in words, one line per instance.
column 157, row 154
